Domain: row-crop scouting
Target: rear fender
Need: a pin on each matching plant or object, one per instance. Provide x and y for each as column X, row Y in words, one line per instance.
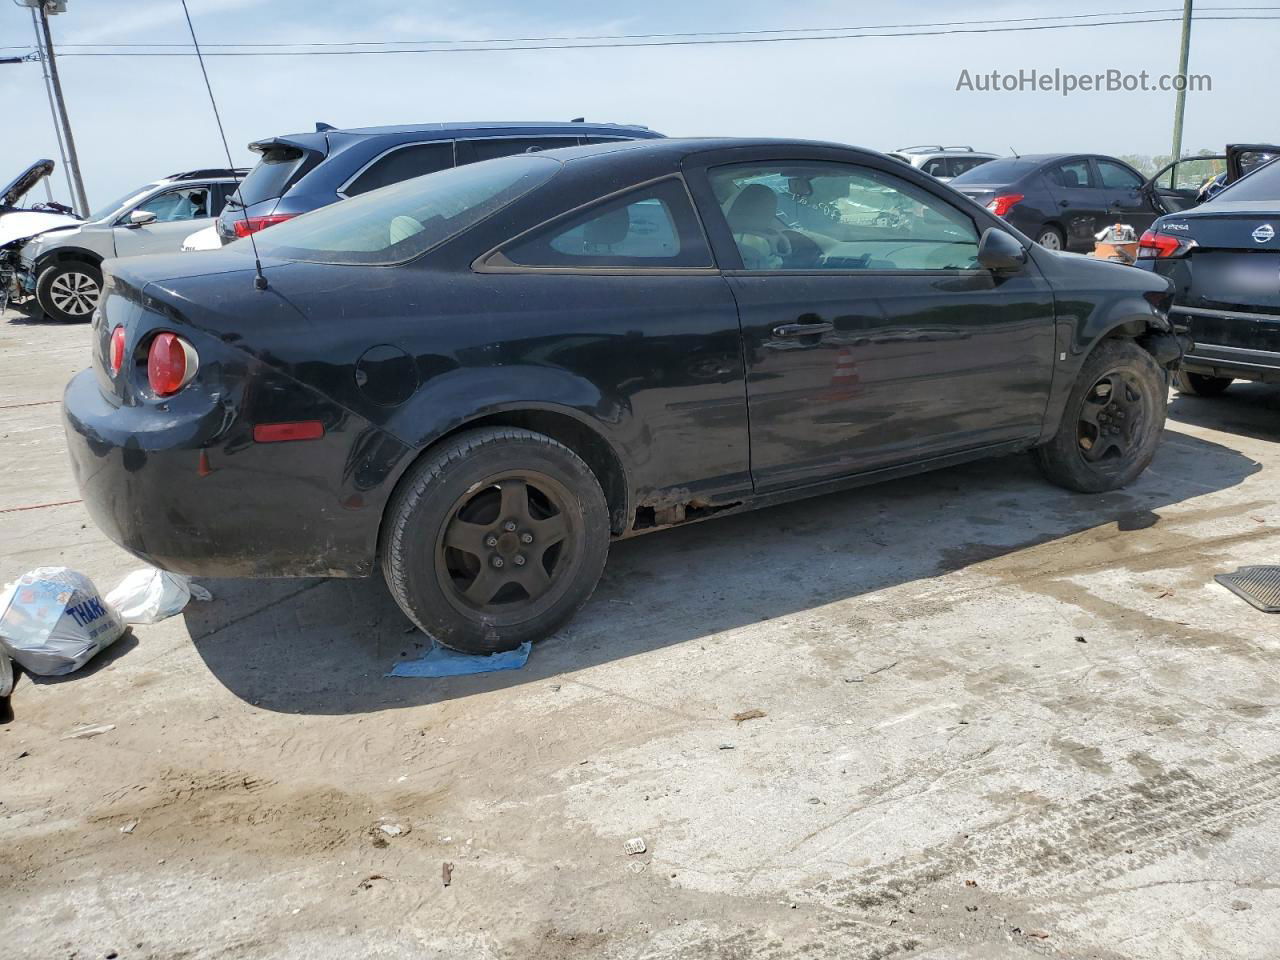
column 447, row 403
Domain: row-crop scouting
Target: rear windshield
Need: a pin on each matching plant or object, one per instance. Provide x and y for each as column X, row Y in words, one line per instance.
column 996, row 171
column 271, row 176
column 1262, row 184
column 398, row 222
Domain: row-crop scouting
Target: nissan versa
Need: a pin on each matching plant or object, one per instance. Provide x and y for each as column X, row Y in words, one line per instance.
column 475, row 379
column 1223, row 258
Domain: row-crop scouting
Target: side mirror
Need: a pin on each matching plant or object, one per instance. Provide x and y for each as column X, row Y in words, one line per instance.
column 141, row 217
column 1000, row 252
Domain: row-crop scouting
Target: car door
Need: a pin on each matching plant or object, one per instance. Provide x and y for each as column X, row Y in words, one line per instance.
column 871, row 338
column 179, row 212
column 1080, row 203
column 1176, row 186
column 1125, row 200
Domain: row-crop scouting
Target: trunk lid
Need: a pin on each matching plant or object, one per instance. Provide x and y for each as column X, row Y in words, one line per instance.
column 1234, row 267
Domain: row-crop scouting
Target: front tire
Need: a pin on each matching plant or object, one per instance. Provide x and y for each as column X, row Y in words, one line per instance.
column 1051, row 238
column 495, row 539
column 1200, row 385
column 69, row 291
column 1112, row 422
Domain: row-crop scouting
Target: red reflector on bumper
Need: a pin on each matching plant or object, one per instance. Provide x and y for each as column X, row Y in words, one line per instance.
column 279, row 432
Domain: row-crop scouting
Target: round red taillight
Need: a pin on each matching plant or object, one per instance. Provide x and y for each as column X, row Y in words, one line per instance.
column 117, row 350
column 171, row 363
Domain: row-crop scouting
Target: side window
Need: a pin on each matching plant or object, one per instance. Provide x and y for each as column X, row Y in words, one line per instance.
column 961, row 165
column 1116, row 177
column 937, row 167
column 1191, row 175
column 652, row 227
column 1074, row 174
column 220, row 193
column 828, row 216
column 188, row 203
column 403, row 163
column 473, row 151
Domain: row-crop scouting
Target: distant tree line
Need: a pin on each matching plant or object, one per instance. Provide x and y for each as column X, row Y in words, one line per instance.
column 1148, row 164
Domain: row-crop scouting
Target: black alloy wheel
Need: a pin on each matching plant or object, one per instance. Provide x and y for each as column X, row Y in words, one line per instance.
column 1112, row 418
column 506, row 545
column 1112, row 421
column 494, row 537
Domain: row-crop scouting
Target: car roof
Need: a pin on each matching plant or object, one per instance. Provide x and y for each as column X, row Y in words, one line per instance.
column 442, row 131
column 687, row 146
column 505, row 125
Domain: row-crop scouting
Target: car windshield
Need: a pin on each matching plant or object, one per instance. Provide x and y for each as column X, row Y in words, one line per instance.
column 1262, row 184
column 105, row 211
column 398, row 222
column 1005, row 170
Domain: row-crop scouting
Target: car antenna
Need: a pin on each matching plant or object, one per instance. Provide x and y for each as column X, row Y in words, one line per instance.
column 1015, row 153
column 259, row 280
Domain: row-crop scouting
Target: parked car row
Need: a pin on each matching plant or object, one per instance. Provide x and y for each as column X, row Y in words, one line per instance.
column 57, row 258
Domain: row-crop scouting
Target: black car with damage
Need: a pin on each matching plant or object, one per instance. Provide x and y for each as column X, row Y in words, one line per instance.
column 474, row 380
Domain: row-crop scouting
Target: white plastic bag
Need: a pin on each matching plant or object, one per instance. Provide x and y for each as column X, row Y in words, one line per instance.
column 150, row 595
column 52, row 621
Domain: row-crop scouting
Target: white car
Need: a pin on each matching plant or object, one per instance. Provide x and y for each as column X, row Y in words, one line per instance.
column 942, row 163
column 206, row 239
column 19, row 224
column 63, row 266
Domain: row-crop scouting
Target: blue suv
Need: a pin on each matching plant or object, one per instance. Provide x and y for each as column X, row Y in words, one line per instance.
column 301, row 172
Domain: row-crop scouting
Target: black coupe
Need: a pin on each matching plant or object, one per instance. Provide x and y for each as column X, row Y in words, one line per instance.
column 476, row 378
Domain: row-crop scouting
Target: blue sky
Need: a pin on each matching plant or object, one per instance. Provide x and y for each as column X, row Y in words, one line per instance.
column 136, row 119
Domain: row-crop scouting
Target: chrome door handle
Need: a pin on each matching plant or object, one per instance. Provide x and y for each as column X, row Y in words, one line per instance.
column 803, row 329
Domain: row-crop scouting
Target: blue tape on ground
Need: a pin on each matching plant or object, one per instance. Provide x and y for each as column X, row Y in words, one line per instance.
column 443, row 662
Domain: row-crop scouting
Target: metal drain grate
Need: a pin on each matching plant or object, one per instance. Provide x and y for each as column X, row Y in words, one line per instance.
column 1259, row 585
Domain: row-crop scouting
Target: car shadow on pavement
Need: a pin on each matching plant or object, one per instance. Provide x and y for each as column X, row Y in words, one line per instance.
column 1246, row 409
column 27, row 314
column 324, row 646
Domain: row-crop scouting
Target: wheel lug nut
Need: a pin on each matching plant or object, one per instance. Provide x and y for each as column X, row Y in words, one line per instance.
column 526, row 538
column 509, row 526
column 497, row 561
column 491, row 541
column 518, row 560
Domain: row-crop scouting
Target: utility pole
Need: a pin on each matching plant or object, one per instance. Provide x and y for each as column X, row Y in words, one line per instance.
column 53, row 110
column 41, row 9
column 1182, row 72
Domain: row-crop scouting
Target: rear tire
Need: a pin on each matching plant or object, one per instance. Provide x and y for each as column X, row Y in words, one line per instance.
column 495, row 539
column 1112, row 422
column 1200, row 385
column 68, row 292
column 1051, row 238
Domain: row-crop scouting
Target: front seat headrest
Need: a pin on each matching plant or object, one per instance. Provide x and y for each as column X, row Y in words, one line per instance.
column 754, row 210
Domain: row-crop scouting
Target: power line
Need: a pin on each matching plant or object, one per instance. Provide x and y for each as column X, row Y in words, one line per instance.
column 661, row 43
column 776, row 35
column 654, row 36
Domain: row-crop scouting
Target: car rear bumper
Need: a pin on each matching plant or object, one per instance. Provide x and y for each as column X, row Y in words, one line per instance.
column 1216, row 360
column 186, row 494
column 1260, row 360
